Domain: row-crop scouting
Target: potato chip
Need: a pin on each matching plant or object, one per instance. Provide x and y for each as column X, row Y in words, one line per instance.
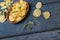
column 5, row 4
column 37, row 13
column 2, row 18
column 39, row 5
column 46, row 15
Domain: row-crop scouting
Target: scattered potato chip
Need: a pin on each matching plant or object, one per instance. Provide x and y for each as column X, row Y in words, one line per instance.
column 37, row 13
column 39, row 5
column 2, row 18
column 3, row 21
column 3, row 7
column 5, row 4
column 46, row 14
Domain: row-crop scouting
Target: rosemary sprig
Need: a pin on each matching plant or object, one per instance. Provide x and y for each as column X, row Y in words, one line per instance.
column 30, row 25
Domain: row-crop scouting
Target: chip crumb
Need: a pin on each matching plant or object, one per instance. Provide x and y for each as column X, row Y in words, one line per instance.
column 37, row 13
column 38, row 5
column 46, row 14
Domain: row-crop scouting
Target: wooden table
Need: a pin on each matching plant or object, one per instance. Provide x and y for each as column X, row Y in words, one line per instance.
column 47, row 30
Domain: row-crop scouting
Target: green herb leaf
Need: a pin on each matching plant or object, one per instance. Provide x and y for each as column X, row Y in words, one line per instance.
column 14, row 11
column 30, row 28
column 25, row 25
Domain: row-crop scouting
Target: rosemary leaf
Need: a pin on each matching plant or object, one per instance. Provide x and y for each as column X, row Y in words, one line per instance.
column 15, row 11
column 30, row 28
column 25, row 25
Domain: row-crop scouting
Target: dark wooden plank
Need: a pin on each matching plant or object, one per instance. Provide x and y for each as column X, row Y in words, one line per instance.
column 33, row 2
column 51, row 35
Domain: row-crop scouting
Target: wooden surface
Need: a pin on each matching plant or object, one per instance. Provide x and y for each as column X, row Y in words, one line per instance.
column 46, row 30
column 51, row 35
